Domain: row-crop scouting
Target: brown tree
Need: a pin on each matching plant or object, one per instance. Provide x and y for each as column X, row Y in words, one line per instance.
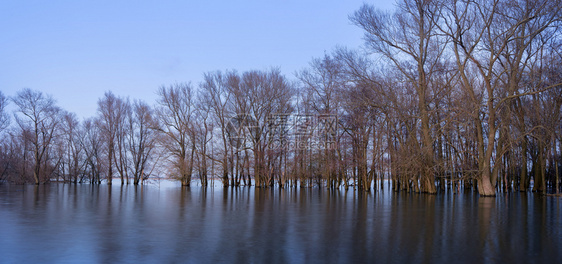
column 482, row 34
column 322, row 83
column 142, row 136
column 73, row 150
column 268, row 93
column 93, row 144
column 175, row 116
column 215, row 95
column 409, row 41
column 4, row 116
column 111, row 110
column 38, row 118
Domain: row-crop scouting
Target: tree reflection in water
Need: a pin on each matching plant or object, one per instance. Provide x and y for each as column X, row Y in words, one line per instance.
column 111, row 224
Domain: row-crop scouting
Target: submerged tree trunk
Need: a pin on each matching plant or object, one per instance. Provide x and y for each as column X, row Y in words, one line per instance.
column 523, row 186
column 557, row 178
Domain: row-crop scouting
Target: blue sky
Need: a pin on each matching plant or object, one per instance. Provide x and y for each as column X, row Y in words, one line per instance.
column 77, row 50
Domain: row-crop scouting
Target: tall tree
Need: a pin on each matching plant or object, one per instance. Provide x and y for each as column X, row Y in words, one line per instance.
column 38, row 114
column 142, row 136
column 4, row 117
column 482, row 33
column 111, row 110
column 216, row 96
column 203, row 137
column 175, row 115
column 409, row 40
column 73, row 150
column 269, row 93
column 322, row 82
column 121, row 157
column 92, row 142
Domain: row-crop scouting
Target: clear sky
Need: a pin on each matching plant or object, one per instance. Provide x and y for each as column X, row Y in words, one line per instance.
column 76, row 50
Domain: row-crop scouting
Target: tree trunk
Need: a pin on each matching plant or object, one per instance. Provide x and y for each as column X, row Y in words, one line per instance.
column 523, row 178
column 557, row 177
column 537, row 172
column 485, row 187
column 110, row 168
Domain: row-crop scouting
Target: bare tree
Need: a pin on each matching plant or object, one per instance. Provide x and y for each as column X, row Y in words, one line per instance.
column 482, row 33
column 4, row 117
column 39, row 115
column 142, row 136
column 175, row 115
column 322, row 83
column 92, row 142
column 111, row 112
column 121, row 156
column 73, row 149
column 409, row 40
column 269, row 93
column 216, row 96
column 203, row 129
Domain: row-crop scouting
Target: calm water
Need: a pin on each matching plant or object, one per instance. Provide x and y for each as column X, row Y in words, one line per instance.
column 100, row 224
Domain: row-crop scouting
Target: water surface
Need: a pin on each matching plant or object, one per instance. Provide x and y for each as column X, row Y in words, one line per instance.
column 63, row 223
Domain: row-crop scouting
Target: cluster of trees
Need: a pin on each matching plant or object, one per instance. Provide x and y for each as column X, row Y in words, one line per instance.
column 446, row 93
column 46, row 142
column 473, row 89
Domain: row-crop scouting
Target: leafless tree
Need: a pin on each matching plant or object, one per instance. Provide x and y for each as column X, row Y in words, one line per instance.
column 408, row 39
column 112, row 112
column 482, row 34
column 203, row 129
column 215, row 95
column 142, row 136
column 175, row 115
column 322, row 81
column 268, row 93
column 4, row 116
column 38, row 114
column 73, row 161
column 93, row 144
column 121, row 155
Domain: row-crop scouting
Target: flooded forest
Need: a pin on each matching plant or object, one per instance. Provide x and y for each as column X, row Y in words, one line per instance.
column 443, row 95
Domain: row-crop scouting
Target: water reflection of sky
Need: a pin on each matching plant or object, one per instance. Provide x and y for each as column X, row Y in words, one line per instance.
column 168, row 224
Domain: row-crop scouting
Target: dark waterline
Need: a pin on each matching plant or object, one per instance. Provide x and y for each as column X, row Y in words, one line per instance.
column 60, row 223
